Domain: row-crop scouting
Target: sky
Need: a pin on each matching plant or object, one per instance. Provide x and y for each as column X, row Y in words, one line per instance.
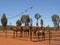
column 14, row 9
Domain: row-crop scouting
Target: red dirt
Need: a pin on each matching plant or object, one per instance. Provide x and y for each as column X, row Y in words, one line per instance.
column 9, row 40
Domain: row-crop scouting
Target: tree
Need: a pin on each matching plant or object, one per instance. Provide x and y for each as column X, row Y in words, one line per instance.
column 4, row 20
column 41, row 22
column 18, row 23
column 25, row 19
column 55, row 20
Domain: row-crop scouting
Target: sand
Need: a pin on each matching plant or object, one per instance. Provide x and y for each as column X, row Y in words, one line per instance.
column 9, row 40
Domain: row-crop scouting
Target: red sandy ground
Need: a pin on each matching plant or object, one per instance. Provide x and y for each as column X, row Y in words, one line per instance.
column 9, row 40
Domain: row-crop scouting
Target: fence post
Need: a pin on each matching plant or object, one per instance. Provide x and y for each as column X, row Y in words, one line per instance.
column 31, row 33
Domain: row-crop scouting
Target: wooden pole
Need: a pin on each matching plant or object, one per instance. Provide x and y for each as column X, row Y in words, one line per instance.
column 49, row 36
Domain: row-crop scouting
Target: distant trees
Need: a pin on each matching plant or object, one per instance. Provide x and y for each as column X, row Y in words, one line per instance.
column 41, row 22
column 18, row 22
column 55, row 20
column 25, row 19
column 4, row 20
